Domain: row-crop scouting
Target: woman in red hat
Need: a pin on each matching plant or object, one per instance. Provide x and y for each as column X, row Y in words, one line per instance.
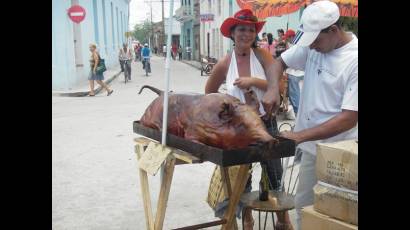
column 245, row 71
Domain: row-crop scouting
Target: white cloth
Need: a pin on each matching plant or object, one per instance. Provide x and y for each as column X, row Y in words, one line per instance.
column 330, row 85
column 256, row 71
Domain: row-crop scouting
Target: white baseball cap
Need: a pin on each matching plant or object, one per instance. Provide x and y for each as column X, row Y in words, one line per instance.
column 316, row 17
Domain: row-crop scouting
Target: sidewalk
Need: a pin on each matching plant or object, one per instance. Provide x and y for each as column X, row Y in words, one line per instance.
column 195, row 64
column 83, row 89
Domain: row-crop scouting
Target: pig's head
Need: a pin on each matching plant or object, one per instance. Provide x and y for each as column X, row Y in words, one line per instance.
column 221, row 120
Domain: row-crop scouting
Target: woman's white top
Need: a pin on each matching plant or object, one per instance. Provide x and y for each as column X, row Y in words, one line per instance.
column 256, row 71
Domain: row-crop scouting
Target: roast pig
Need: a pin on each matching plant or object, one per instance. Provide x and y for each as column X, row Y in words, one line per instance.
column 215, row 119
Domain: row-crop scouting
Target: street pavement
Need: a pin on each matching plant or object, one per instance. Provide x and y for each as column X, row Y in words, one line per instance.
column 95, row 182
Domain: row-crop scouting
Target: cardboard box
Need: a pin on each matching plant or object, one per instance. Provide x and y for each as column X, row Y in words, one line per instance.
column 336, row 163
column 336, row 202
column 312, row 220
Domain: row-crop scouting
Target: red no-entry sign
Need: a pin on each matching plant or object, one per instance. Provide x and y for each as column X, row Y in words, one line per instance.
column 76, row 13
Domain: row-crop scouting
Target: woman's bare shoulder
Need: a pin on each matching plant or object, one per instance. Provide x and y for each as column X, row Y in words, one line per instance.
column 263, row 55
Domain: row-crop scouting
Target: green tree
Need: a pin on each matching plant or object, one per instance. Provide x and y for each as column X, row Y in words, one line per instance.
column 142, row 32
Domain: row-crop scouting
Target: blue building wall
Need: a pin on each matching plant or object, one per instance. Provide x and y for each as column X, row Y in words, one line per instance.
column 108, row 36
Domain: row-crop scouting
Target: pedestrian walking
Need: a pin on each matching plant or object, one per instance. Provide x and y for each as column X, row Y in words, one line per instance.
column 94, row 75
column 180, row 53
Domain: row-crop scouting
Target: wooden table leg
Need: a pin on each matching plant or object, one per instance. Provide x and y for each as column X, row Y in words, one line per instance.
column 239, row 187
column 149, row 219
column 164, row 192
column 227, row 188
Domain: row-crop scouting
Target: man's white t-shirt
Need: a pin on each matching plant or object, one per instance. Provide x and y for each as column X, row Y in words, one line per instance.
column 294, row 72
column 330, row 85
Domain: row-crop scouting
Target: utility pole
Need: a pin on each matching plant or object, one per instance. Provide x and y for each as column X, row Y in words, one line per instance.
column 152, row 29
column 163, row 24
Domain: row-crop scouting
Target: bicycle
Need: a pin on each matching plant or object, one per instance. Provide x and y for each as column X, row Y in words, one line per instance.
column 147, row 65
column 207, row 65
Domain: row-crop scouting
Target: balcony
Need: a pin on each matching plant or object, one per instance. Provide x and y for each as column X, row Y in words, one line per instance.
column 184, row 14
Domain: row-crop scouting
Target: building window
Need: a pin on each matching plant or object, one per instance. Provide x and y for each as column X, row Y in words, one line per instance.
column 189, row 2
column 97, row 39
column 112, row 27
column 104, row 25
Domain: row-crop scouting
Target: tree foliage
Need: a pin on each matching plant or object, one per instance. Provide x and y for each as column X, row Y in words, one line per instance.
column 142, row 31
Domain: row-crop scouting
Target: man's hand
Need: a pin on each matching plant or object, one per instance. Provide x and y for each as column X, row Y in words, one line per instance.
column 291, row 135
column 243, row 82
column 271, row 101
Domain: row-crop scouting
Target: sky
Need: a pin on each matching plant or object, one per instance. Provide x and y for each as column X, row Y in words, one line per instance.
column 140, row 10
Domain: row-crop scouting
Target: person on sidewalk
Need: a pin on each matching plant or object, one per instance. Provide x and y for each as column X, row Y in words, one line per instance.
column 174, row 49
column 245, row 69
column 164, row 50
column 328, row 108
column 180, row 53
column 94, row 76
column 125, row 58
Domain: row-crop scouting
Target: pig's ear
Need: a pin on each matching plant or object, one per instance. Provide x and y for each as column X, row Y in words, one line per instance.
column 227, row 111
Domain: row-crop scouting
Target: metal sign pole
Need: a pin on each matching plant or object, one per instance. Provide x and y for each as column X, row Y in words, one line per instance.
column 167, row 74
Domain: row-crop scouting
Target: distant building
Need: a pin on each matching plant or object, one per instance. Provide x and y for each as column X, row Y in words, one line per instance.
column 158, row 31
column 213, row 13
column 188, row 15
column 105, row 24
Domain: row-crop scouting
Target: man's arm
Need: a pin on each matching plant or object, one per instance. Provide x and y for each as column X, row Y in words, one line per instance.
column 274, row 72
column 342, row 122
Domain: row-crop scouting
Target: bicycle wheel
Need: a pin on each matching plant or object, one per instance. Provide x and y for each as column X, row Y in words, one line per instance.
column 146, row 68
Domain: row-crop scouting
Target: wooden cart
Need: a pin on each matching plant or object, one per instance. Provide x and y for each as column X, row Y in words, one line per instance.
column 182, row 151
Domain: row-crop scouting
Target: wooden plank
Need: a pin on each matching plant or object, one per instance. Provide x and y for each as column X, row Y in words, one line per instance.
column 153, row 157
column 203, row 225
column 164, row 192
column 239, row 187
column 146, row 198
column 184, row 156
column 179, row 154
column 227, row 187
column 144, row 141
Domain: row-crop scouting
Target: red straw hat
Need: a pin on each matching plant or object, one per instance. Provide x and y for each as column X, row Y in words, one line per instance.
column 243, row 17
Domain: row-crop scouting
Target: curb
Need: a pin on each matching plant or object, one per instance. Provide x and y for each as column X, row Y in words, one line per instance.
column 83, row 94
column 197, row 67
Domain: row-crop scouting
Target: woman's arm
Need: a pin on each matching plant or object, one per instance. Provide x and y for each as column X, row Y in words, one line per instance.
column 247, row 82
column 273, row 70
column 218, row 75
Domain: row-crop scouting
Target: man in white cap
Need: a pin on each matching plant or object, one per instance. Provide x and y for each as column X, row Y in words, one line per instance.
column 328, row 107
